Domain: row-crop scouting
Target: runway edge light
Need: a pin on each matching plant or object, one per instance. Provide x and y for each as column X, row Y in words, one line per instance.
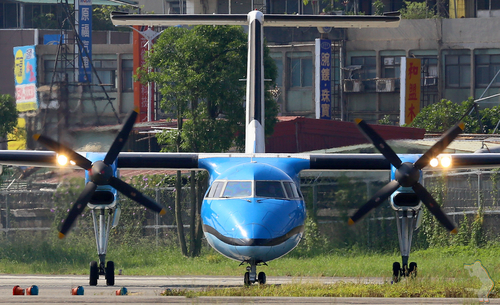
column 32, row 290
column 77, row 291
column 17, row 290
column 122, row 291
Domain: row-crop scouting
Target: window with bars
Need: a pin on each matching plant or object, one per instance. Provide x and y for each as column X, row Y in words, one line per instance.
column 368, row 67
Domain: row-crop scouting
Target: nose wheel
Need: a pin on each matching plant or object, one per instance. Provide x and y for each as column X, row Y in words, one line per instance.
column 251, row 276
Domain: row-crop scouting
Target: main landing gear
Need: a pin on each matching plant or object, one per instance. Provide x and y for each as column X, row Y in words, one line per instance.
column 101, row 230
column 251, row 274
column 108, row 272
column 406, row 271
column 407, row 223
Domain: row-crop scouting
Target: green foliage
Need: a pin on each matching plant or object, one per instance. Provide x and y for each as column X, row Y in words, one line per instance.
column 378, row 7
column 417, row 10
column 386, row 120
column 442, row 115
column 313, row 242
column 198, row 72
column 8, row 114
column 101, row 17
column 45, row 21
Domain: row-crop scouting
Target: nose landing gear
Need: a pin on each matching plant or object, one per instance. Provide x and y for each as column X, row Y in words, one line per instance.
column 251, row 276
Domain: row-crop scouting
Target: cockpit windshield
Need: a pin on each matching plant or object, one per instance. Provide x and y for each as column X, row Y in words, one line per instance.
column 238, row 189
column 260, row 188
column 271, row 189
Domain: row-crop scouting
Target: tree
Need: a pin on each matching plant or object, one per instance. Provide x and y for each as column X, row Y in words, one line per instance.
column 198, row 72
column 441, row 116
column 8, row 114
column 417, row 10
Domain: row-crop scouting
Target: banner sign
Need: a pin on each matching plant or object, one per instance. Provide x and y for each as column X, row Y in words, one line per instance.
column 85, row 32
column 25, row 73
column 141, row 97
column 410, row 89
column 323, row 85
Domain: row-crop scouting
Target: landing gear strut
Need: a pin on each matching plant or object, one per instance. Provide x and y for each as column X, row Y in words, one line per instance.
column 101, row 230
column 407, row 223
column 251, row 274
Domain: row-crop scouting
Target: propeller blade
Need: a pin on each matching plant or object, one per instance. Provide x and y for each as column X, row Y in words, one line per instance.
column 434, row 208
column 77, row 208
column 440, row 145
column 132, row 193
column 121, row 138
column 379, row 143
column 375, row 201
column 64, row 150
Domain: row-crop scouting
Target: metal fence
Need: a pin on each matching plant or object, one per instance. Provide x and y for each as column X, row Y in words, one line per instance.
column 330, row 198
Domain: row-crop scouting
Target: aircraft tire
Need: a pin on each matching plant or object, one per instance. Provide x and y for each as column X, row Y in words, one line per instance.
column 246, row 279
column 396, row 272
column 261, row 278
column 110, row 273
column 94, row 273
column 413, row 269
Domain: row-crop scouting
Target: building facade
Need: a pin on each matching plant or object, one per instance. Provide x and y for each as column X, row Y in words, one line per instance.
column 460, row 59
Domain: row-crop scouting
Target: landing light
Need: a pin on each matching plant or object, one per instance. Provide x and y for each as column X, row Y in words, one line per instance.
column 62, row 159
column 445, row 161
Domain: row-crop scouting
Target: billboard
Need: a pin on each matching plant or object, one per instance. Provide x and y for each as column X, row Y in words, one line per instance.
column 323, row 85
column 85, row 33
column 410, row 89
column 142, row 98
column 25, row 74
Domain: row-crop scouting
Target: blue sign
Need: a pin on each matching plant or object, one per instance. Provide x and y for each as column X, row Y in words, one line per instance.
column 325, row 72
column 85, row 49
column 51, row 39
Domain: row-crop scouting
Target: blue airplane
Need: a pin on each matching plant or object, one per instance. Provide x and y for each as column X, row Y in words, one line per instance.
column 253, row 211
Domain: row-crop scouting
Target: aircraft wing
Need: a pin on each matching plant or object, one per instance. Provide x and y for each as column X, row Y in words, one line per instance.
column 157, row 160
column 270, row 20
column 378, row 162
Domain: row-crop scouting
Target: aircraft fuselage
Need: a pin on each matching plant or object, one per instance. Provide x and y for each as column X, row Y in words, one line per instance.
column 253, row 210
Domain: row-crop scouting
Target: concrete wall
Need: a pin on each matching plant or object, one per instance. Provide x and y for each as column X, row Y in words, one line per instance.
column 434, row 36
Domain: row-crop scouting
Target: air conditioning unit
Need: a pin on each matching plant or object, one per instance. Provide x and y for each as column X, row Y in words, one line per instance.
column 353, row 85
column 386, row 85
column 430, row 81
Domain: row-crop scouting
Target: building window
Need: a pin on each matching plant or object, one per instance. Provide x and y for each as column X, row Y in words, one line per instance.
column 278, row 60
column 487, row 67
column 54, row 75
column 391, row 66
column 301, row 69
column 106, row 74
column 457, row 71
column 284, row 6
column 127, row 75
column 485, row 5
column 368, row 68
column 175, row 7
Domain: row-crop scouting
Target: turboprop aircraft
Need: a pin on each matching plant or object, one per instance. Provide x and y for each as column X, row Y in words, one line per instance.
column 253, row 211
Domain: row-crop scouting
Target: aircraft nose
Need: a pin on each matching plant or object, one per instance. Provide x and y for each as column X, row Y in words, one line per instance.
column 251, row 231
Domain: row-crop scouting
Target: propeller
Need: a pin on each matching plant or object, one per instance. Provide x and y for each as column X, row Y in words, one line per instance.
column 100, row 173
column 407, row 173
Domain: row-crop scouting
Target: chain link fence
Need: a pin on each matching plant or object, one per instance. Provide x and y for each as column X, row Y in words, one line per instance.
column 330, row 198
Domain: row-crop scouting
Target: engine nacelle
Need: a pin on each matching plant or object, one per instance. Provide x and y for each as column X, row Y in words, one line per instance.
column 405, row 199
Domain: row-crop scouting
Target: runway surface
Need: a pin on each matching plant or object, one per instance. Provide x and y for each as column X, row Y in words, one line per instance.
column 148, row 289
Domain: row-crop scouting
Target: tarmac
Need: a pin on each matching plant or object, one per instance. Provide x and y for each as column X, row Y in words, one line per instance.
column 57, row 289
